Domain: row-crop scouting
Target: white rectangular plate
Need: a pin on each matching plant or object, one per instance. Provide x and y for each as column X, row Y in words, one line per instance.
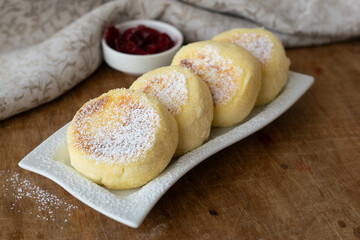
column 130, row 207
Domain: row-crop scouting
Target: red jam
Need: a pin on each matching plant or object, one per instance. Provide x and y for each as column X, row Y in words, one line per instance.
column 139, row 40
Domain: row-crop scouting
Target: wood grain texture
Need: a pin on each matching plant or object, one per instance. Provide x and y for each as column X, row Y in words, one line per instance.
column 298, row 178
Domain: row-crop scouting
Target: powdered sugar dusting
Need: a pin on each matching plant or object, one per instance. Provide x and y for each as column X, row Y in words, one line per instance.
column 169, row 88
column 47, row 205
column 259, row 45
column 119, row 132
column 218, row 73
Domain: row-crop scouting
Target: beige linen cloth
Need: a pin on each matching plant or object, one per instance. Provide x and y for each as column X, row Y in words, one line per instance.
column 49, row 46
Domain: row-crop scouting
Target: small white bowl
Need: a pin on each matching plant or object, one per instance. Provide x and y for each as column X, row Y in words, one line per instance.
column 139, row 64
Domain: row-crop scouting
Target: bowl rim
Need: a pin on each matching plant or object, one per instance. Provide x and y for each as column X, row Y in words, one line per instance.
column 179, row 42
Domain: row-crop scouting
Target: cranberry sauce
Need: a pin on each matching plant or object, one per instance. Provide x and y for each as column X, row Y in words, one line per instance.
column 140, row 40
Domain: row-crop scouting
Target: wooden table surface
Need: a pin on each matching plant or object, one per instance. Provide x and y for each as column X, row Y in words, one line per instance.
column 298, row 178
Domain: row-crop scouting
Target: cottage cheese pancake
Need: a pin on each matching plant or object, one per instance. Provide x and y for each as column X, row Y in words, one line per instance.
column 232, row 74
column 269, row 51
column 187, row 97
column 122, row 139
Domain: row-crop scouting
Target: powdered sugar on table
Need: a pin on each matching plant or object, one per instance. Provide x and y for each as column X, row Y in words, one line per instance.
column 46, row 205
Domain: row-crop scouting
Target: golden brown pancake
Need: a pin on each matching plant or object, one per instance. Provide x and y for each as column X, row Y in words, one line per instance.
column 232, row 74
column 269, row 51
column 122, row 139
column 187, row 97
